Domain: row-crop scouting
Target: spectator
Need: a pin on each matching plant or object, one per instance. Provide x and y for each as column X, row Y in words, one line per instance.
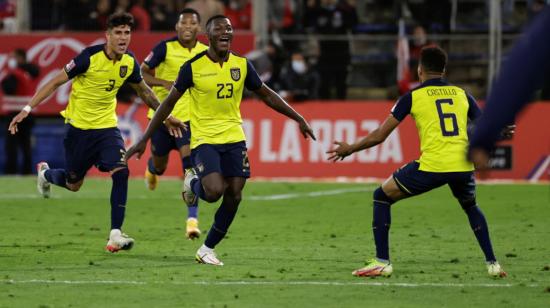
column 240, row 14
column 18, row 89
column 281, row 16
column 137, row 9
column 268, row 63
column 298, row 81
column 332, row 17
column 207, row 9
column 83, row 15
column 162, row 15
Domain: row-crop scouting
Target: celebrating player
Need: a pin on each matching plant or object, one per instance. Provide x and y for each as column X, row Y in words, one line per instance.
column 216, row 79
column 441, row 112
column 92, row 136
column 166, row 59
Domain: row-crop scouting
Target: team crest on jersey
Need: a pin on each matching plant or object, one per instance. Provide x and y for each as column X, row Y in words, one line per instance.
column 123, row 71
column 235, row 73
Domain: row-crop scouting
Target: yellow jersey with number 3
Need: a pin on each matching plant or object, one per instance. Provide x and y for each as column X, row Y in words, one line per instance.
column 216, row 92
column 166, row 59
column 96, row 79
column 441, row 113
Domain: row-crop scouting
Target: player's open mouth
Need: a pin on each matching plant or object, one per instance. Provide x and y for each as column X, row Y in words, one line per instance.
column 224, row 40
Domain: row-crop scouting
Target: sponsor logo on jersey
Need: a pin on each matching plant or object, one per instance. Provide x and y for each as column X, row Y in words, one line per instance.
column 70, row 66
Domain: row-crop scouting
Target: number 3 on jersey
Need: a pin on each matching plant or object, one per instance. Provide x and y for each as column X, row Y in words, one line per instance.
column 228, row 91
column 444, row 116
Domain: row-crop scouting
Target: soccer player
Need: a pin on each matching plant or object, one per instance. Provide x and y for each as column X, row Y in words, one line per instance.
column 159, row 70
column 92, row 136
column 441, row 112
column 215, row 80
column 523, row 71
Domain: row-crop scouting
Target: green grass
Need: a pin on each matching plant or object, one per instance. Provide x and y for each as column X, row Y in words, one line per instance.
column 296, row 252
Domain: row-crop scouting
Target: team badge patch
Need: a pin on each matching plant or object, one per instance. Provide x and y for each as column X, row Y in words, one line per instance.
column 235, row 73
column 123, row 71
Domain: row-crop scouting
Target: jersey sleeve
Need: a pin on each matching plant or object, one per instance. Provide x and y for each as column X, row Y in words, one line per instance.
column 135, row 77
column 156, row 56
column 252, row 81
column 402, row 107
column 78, row 65
column 185, row 78
column 473, row 109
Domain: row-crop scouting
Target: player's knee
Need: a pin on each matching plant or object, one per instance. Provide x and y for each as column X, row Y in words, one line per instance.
column 467, row 203
column 213, row 192
column 120, row 175
column 380, row 197
column 74, row 186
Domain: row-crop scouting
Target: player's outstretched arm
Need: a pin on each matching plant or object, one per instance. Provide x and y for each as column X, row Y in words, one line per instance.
column 377, row 136
column 151, row 80
column 148, row 96
column 42, row 93
column 277, row 103
column 160, row 115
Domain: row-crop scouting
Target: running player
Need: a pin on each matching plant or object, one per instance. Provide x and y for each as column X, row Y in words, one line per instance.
column 159, row 70
column 92, row 137
column 215, row 80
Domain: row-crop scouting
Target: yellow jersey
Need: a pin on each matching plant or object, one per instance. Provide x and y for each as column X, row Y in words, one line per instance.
column 216, row 92
column 95, row 81
column 166, row 59
column 441, row 113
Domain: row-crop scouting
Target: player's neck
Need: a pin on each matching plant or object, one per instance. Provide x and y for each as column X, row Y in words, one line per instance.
column 111, row 55
column 218, row 56
column 188, row 44
column 427, row 77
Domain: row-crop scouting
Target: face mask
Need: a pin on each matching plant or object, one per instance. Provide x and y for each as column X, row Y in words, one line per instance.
column 12, row 63
column 419, row 41
column 299, row 66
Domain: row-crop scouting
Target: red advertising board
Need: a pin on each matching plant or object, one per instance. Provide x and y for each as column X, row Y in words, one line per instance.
column 277, row 149
column 51, row 51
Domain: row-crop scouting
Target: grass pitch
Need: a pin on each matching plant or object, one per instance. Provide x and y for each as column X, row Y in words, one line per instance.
column 291, row 245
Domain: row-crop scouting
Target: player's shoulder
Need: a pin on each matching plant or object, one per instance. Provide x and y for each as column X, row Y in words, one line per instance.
column 168, row 41
column 197, row 57
column 130, row 53
column 94, row 49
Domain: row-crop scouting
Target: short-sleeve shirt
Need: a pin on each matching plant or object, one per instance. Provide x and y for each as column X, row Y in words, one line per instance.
column 441, row 112
column 216, row 92
column 166, row 59
column 95, row 81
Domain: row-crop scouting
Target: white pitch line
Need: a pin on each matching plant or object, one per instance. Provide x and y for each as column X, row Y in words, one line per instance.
column 85, row 195
column 308, row 194
column 273, row 283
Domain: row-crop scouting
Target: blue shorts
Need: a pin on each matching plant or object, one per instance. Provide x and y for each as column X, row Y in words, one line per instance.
column 85, row 148
column 231, row 160
column 415, row 182
column 162, row 142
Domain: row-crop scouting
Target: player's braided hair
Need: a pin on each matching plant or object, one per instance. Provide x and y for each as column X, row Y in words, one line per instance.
column 120, row 19
column 211, row 19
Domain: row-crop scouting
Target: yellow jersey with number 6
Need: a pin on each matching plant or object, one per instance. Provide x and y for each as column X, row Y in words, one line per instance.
column 441, row 113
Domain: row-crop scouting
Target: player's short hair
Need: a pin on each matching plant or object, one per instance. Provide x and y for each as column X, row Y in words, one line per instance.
column 191, row 11
column 120, row 19
column 211, row 19
column 433, row 59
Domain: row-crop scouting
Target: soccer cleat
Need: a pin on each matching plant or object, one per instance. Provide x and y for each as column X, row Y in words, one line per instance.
column 495, row 270
column 151, row 180
column 188, row 194
column 119, row 241
column 374, row 268
column 41, row 183
column 192, row 230
column 207, row 255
